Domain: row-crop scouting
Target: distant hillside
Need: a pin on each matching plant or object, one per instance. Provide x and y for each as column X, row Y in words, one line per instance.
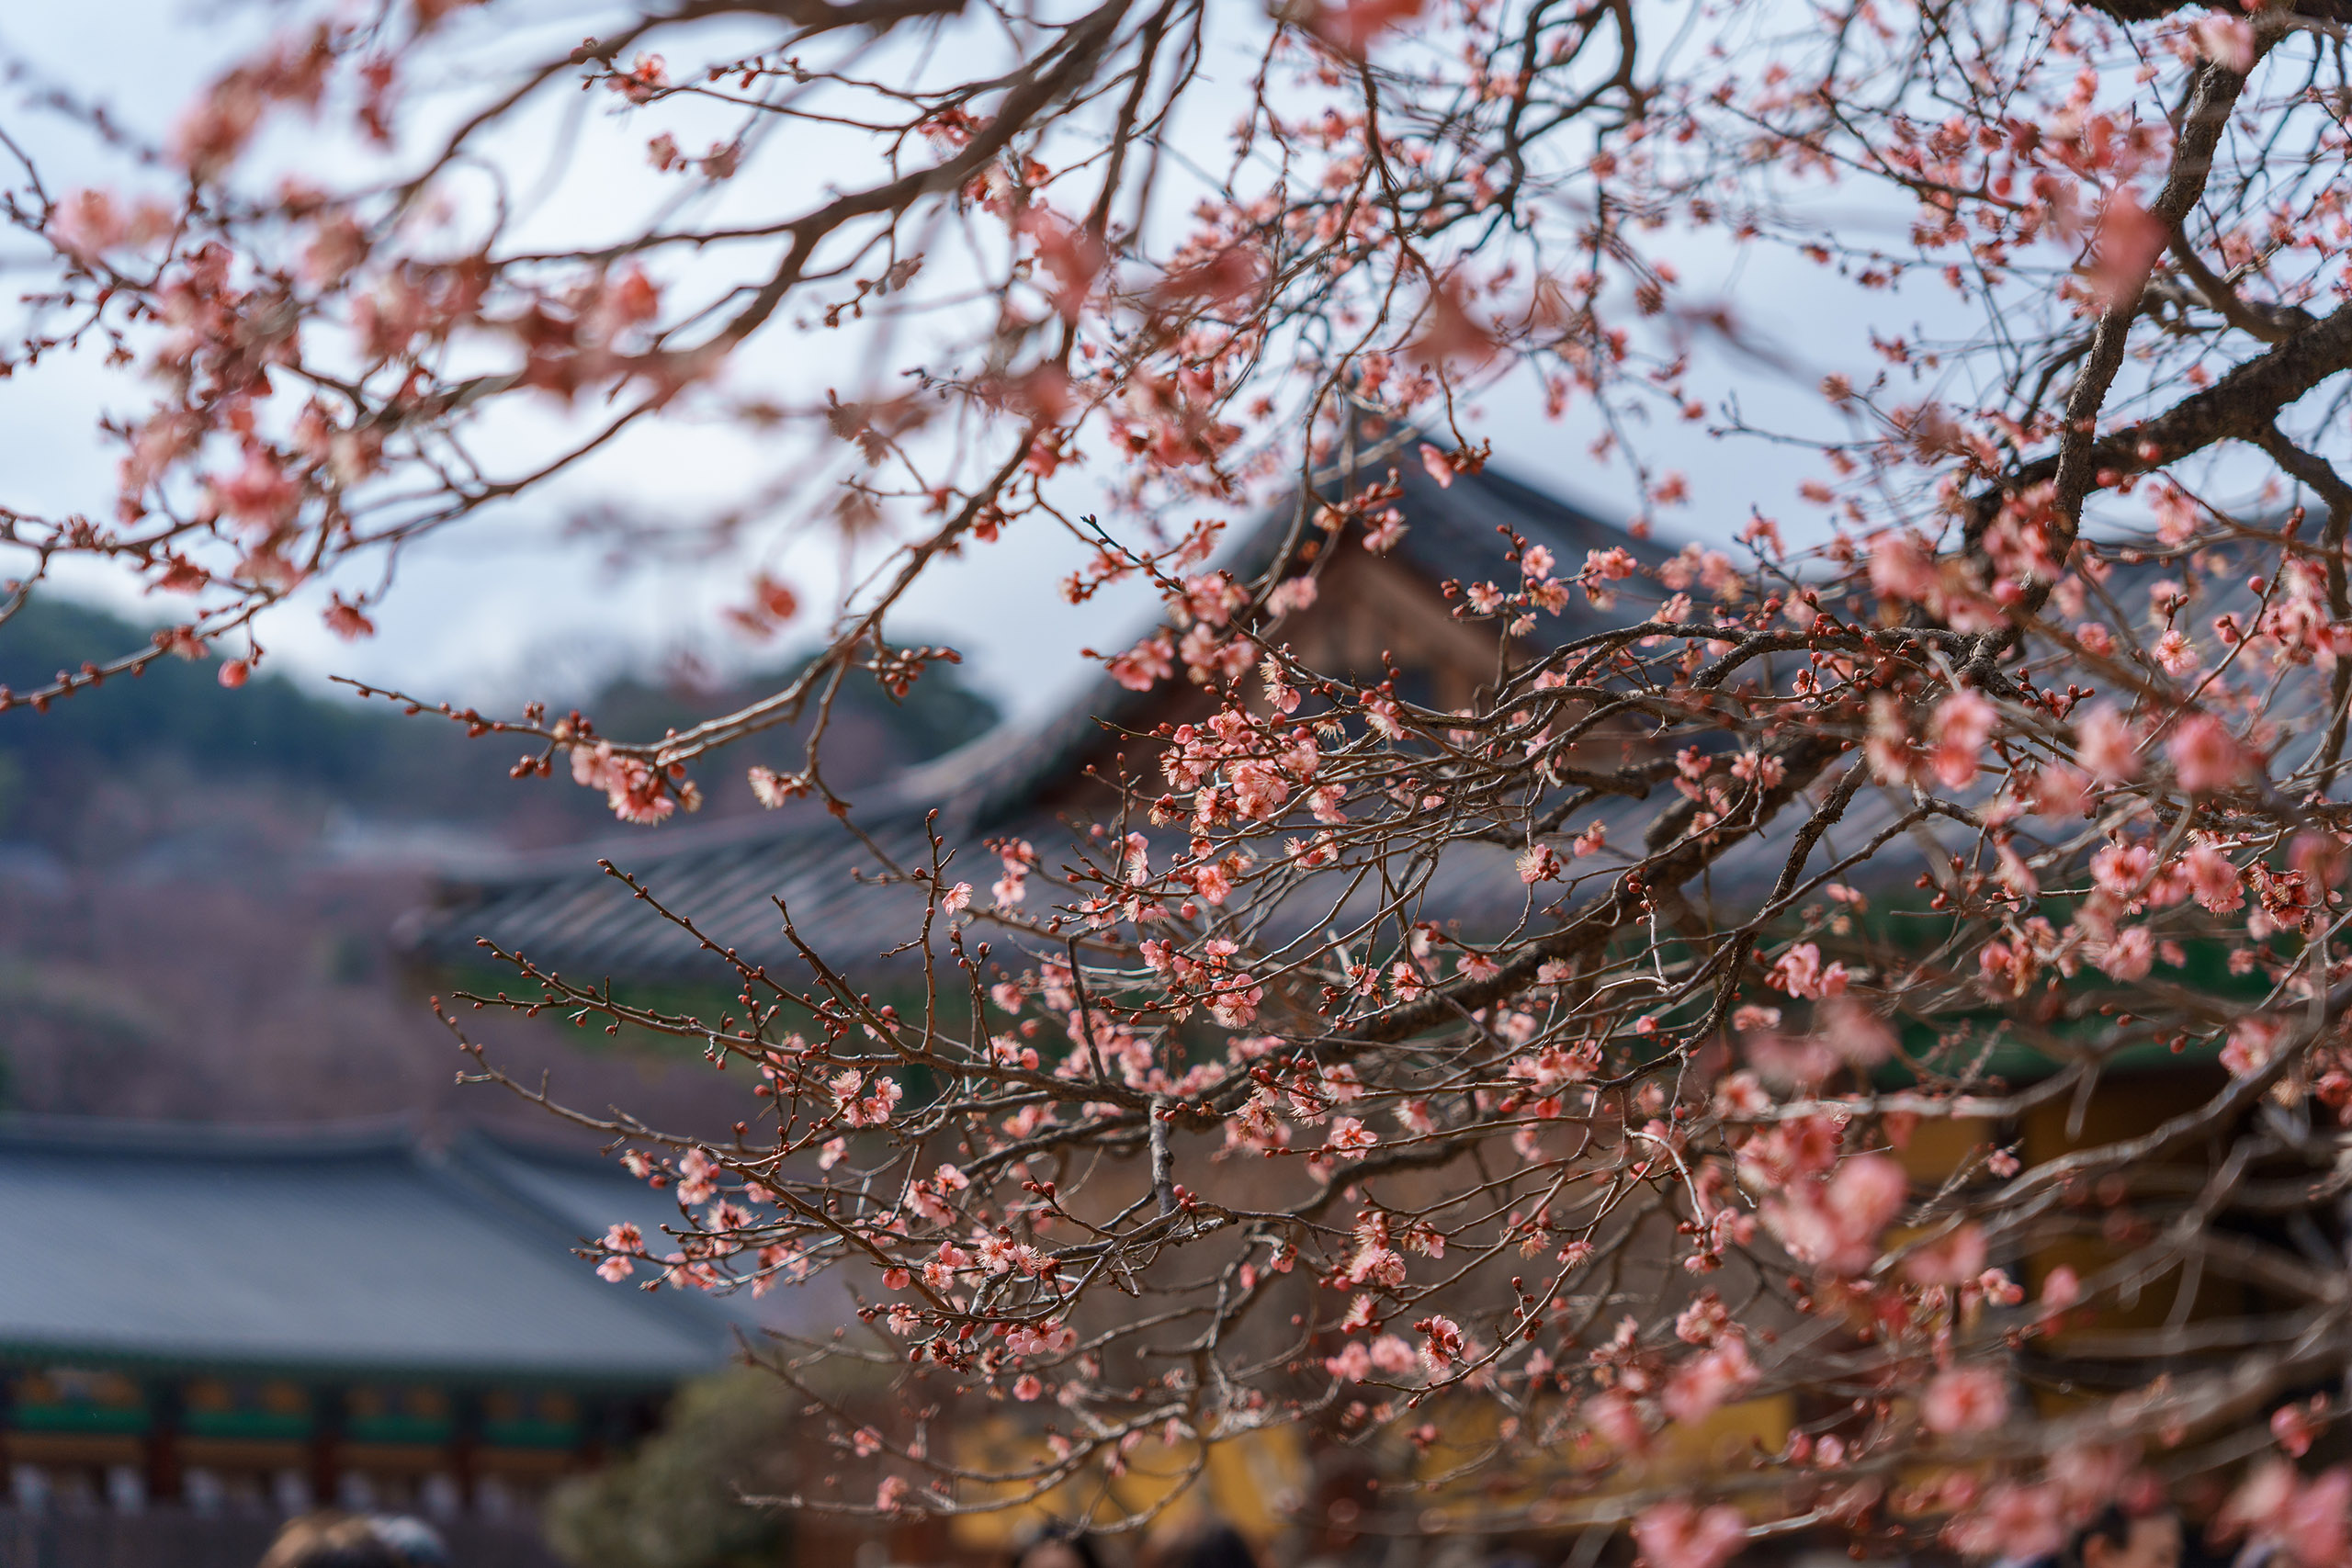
column 174, row 728
column 178, row 710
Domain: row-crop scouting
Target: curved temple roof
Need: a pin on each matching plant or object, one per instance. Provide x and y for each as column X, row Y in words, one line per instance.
column 345, row 1251
column 560, row 911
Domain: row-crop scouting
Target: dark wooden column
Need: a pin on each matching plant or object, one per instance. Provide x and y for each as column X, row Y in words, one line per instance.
column 602, row 1420
column 464, row 1442
column 165, row 1406
column 326, row 1444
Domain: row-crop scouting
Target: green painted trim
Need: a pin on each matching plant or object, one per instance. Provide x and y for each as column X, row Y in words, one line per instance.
column 76, row 1418
column 246, row 1424
column 432, row 1430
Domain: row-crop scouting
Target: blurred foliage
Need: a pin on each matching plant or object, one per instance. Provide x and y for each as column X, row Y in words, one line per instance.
column 677, row 1502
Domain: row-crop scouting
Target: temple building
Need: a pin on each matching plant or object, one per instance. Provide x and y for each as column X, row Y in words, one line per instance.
column 213, row 1324
column 1032, row 778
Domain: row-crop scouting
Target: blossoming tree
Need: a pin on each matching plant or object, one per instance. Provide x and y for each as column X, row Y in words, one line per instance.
column 2004, row 756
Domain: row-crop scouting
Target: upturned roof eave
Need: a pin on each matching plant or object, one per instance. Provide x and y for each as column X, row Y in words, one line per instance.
column 195, row 1358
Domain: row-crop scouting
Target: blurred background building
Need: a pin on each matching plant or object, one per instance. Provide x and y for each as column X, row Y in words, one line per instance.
column 207, row 1327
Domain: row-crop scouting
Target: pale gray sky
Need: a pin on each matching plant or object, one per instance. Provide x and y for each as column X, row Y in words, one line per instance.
column 500, row 609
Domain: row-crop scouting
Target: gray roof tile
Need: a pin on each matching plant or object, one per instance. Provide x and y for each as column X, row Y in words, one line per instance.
column 346, row 1251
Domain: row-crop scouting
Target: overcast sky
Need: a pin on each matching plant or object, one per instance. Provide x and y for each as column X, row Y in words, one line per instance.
column 501, row 609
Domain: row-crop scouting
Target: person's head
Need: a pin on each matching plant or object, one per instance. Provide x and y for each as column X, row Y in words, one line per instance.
column 2121, row 1539
column 1057, row 1545
column 331, row 1540
column 418, row 1543
column 1214, row 1546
